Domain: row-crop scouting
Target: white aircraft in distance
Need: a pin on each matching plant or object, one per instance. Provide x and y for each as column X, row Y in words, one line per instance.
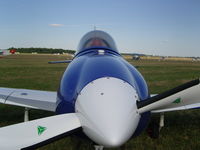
column 100, row 95
column 6, row 52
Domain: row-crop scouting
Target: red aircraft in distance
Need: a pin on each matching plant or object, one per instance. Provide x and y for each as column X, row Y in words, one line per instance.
column 12, row 51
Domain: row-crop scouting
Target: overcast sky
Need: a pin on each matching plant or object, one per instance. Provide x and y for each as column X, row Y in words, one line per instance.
column 159, row 27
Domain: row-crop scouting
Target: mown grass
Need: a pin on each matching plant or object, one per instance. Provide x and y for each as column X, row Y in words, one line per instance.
column 181, row 131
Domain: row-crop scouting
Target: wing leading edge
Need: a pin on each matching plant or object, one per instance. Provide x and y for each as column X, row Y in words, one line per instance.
column 43, row 100
column 186, row 96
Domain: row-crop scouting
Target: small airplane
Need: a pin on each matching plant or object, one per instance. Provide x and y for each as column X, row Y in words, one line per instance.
column 100, row 95
column 7, row 52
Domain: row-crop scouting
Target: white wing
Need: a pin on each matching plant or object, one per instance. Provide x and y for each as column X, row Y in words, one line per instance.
column 186, row 96
column 29, row 98
column 36, row 133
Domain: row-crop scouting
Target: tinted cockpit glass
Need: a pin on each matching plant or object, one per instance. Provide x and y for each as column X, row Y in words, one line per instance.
column 96, row 42
column 96, row 39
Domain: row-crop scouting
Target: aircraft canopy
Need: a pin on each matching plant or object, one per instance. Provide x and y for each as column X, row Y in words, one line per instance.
column 96, row 38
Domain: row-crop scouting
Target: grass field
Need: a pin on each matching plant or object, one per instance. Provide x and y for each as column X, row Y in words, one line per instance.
column 181, row 131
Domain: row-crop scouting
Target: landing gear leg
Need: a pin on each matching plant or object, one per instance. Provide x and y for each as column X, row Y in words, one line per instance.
column 162, row 123
column 97, row 147
column 26, row 114
column 155, row 128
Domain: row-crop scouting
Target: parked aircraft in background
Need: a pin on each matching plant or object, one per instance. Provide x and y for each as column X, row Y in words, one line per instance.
column 5, row 52
column 101, row 96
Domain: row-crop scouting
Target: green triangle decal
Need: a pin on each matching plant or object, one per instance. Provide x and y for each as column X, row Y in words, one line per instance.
column 41, row 129
column 178, row 100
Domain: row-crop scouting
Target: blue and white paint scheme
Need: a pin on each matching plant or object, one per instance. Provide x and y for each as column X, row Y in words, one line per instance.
column 100, row 94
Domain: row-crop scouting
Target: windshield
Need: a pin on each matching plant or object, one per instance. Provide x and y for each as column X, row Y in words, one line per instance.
column 96, row 39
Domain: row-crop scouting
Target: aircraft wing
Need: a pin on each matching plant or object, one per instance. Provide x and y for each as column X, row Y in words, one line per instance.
column 61, row 61
column 43, row 100
column 36, row 133
column 186, row 96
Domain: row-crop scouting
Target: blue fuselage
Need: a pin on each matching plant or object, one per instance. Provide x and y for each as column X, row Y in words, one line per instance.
column 90, row 65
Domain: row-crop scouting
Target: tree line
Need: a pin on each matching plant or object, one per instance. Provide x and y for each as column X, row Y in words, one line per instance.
column 43, row 50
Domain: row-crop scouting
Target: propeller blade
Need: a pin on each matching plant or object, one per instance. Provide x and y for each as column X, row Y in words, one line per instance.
column 36, row 133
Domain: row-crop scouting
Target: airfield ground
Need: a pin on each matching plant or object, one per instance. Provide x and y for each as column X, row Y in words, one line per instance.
column 181, row 131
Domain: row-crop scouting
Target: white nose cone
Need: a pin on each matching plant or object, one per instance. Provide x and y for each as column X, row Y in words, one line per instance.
column 107, row 111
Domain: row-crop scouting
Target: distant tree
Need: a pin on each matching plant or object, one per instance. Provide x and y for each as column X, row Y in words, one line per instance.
column 42, row 50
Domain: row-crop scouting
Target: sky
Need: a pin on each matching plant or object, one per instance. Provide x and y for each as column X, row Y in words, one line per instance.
column 156, row 27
